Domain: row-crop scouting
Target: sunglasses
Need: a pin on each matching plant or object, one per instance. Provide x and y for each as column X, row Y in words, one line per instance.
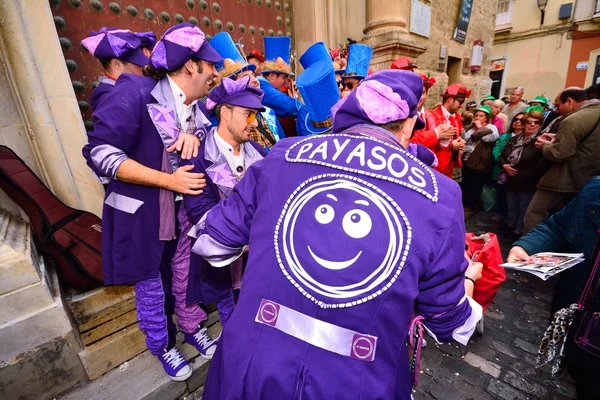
column 518, row 120
column 532, row 122
column 250, row 116
column 347, row 85
column 460, row 101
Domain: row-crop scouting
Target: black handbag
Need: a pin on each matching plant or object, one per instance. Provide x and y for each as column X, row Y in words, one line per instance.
column 583, row 341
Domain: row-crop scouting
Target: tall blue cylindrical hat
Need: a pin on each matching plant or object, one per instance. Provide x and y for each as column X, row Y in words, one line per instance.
column 277, row 55
column 278, row 47
column 224, row 45
column 359, row 58
column 316, row 52
column 320, row 92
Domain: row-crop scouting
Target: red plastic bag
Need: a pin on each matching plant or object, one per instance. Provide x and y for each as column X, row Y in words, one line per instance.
column 486, row 250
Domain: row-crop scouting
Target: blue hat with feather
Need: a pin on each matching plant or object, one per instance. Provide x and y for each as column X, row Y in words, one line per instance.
column 359, row 58
column 233, row 61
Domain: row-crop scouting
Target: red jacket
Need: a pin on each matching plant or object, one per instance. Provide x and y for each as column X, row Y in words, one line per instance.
column 428, row 137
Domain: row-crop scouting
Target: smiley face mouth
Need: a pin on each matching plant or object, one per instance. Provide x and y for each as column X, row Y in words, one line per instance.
column 333, row 265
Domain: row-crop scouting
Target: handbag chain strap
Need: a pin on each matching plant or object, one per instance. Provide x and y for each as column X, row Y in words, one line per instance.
column 591, row 274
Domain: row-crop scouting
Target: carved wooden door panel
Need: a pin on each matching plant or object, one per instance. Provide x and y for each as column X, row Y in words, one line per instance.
column 247, row 21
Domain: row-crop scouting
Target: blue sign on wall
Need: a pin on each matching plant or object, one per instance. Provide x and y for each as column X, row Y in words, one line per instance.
column 462, row 24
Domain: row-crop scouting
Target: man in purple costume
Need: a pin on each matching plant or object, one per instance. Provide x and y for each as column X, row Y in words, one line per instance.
column 346, row 249
column 144, row 128
column 120, row 52
column 224, row 157
column 148, row 41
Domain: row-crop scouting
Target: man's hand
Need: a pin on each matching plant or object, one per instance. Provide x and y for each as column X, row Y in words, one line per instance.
column 474, row 270
column 445, row 131
column 458, row 144
column 187, row 144
column 517, row 254
column 478, row 124
column 510, row 170
column 185, row 182
column 545, row 139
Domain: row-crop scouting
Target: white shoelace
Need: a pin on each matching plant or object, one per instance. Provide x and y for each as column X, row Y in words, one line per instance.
column 173, row 358
column 202, row 337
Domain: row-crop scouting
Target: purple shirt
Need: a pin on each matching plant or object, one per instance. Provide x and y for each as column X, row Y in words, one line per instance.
column 349, row 238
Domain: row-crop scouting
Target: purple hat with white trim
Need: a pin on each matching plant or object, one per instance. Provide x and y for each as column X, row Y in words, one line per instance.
column 236, row 93
column 111, row 43
column 179, row 44
column 382, row 97
column 148, row 39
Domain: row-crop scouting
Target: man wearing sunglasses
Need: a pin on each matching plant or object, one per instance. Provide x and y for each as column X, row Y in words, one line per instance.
column 448, row 128
column 224, row 157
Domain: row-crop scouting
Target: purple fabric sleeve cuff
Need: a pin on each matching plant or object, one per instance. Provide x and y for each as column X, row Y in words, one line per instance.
column 107, row 159
column 463, row 333
column 217, row 254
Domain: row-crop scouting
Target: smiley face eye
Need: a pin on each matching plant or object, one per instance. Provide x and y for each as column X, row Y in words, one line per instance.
column 324, row 214
column 357, row 224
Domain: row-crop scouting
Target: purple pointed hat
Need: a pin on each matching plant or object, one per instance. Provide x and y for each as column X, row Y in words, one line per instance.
column 236, row 93
column 148, row 39
column 111, row 43
column 179, row 44
column 382, row 97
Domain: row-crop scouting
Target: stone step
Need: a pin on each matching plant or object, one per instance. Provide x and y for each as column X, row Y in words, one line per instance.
column 19, row 262
column 143, row 378
column 24, row 301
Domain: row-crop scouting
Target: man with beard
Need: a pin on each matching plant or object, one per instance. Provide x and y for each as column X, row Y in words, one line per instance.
column 142, row 130
column 224, row 156
column 449, row 142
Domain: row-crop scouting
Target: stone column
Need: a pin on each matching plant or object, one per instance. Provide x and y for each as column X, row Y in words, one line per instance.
column 50, row 109
column 386, row 31
column 385, row 15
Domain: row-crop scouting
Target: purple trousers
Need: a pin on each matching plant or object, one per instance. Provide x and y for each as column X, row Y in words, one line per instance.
column 157, row 299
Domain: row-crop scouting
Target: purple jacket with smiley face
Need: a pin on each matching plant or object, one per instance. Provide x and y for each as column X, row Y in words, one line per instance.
column 347, row 244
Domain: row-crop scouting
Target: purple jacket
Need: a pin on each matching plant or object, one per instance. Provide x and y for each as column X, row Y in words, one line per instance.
column 206, row 284
column 105, row 86
column 349, row 237
column 137, row 121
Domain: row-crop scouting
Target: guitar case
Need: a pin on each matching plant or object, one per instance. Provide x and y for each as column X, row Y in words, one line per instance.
column 72, row 238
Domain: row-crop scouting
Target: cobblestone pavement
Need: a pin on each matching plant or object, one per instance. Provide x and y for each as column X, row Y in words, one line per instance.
column 500, row 364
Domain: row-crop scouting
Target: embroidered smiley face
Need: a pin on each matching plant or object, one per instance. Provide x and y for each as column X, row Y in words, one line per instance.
column 341, row 241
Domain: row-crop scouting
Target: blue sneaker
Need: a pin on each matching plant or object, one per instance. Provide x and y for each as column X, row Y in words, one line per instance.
column 175, row 365
column 202, row 342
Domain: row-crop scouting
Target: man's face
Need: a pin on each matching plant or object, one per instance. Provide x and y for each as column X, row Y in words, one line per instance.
column 277, row 80
column 253, row 81
column 488, row 103
column 455, row 105
column 241, row 123
column 204, row 75
column 560, row 107
column 423, row 99
column 349, row 85
column 259, row 65
column 516, row 96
